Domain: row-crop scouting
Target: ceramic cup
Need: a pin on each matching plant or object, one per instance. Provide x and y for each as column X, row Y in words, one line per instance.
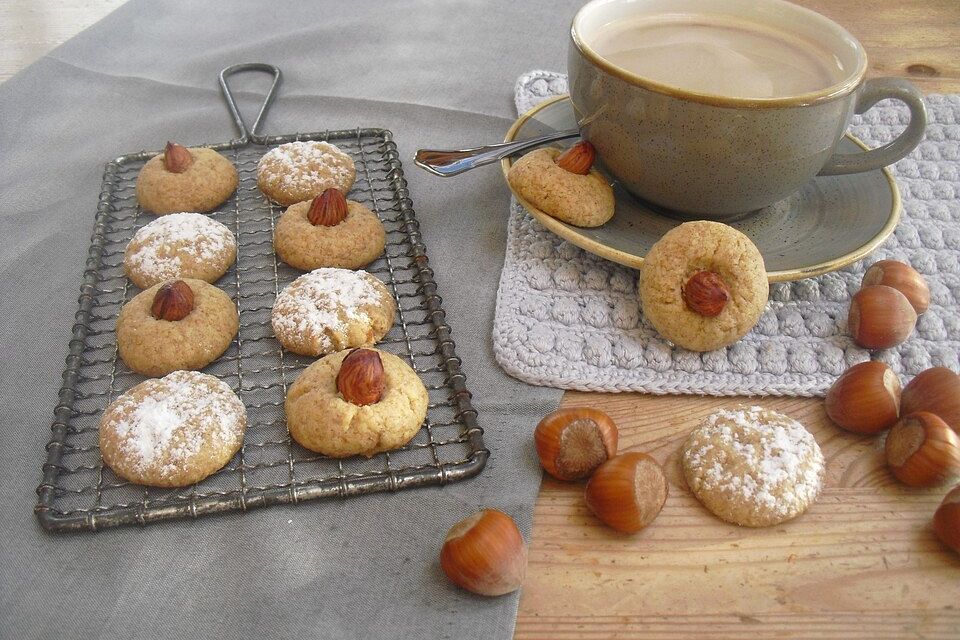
column 715, row 156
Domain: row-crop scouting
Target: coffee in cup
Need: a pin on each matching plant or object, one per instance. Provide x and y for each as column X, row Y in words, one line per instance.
column 720, row 107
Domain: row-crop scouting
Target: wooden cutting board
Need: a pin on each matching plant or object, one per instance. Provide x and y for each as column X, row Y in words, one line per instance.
column 863, row 562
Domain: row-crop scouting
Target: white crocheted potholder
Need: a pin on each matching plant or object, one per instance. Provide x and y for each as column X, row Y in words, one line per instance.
column 567, row 318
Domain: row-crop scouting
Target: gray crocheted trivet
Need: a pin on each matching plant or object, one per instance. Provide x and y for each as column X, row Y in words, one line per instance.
column 566, row 318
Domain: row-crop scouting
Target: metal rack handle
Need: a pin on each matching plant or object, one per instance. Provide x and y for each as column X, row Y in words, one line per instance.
column 251, row 134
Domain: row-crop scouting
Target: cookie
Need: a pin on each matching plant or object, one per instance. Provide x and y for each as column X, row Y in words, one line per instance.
column 179, row 245
column 321, row 420
column 753, row 466
column 351, row 243
column 330, row 309
column 580, row 200
column 155, row 347
column 202, row 183
column 703, row 285
column 173, row 431
column 299, row 171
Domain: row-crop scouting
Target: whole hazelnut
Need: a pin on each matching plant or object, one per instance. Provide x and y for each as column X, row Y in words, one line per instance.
column 627, row 492
column 903, row 278
column 922, row 451
column 484, row 553
column 946, row 521
column 880, row 317
column 936, row 390
column 571, row 443
column 865, row 398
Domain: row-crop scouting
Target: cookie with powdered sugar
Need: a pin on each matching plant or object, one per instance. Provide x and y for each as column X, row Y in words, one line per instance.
column 332, row 309
column 753, row 466
column 179, row 245
column 299, row 171
column 172, row 431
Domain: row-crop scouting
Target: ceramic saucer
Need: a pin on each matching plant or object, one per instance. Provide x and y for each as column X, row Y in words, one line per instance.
column 829, row 223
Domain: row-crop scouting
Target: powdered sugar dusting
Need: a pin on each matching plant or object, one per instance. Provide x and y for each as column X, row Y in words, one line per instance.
column 180, row 413
column 307, row 165
column 323, row 301
column 157, row 250
column 757, row 456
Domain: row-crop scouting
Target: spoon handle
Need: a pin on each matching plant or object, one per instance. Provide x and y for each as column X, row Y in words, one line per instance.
column 450, row 163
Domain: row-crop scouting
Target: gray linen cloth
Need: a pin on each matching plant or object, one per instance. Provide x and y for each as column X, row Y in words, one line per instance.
column 437, row 75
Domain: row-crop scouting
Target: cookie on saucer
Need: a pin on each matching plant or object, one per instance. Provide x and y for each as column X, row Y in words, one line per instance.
column 752, row 466
column 173, row 431
column 182, row 179
column 323, row 419
column 581, row 197
column 178, row 324
column 299, row 171
column 703, row 285
column 329, row 231
column 179, row 245
column 331, row 309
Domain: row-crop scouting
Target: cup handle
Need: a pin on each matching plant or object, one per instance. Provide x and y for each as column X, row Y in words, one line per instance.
column 872, row 92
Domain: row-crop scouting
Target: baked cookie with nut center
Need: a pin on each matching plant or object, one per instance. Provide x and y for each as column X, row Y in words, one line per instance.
column 703, row 285
column 578, row 195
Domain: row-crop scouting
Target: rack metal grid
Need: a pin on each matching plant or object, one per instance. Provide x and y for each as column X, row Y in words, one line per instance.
column 79, row 492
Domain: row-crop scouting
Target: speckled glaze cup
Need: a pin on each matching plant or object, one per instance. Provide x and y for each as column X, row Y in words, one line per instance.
column 718, row 157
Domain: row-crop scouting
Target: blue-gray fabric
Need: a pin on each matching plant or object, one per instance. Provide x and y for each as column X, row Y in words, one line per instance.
column 438, row 74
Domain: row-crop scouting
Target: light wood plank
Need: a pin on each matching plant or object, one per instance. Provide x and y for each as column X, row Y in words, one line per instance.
column 861, row 559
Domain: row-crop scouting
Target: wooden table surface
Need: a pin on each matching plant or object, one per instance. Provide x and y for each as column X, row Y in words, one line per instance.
column 862, row 563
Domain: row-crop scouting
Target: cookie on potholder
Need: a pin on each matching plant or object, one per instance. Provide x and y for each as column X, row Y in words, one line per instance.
column 753, row 466
column 299, row 171
column 179, row 245
column 703, row 285
column 331, row 309
column 173, row 431
column 182, row 179
column 322, row 420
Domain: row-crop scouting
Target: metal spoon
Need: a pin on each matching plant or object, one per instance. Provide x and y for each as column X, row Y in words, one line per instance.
column 450, row 163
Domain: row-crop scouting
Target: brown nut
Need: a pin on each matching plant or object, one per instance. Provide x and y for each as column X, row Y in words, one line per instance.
column 176, row 158
column 903, row 278
column 705, row 293
column 361, row 378
column 328, row 209
column 880, row 317
column 922, row 451
column 936, row 390
column 578, row 158
column 865, row 398
column 485, row 554
column 946, row 520
column 571, row 443
column 173, row 301
column 627, row 492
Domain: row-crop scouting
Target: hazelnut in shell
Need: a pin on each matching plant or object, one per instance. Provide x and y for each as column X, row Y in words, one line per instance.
column 627, row 492
column 903, row 278
column 922, row 451
column 946, row 521
column 485, row 553
column 572, row 442
column 880, row 317
column 936, row 390
column 865, row 398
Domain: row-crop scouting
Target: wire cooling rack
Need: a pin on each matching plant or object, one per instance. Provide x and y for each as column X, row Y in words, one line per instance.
column 79, row 492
